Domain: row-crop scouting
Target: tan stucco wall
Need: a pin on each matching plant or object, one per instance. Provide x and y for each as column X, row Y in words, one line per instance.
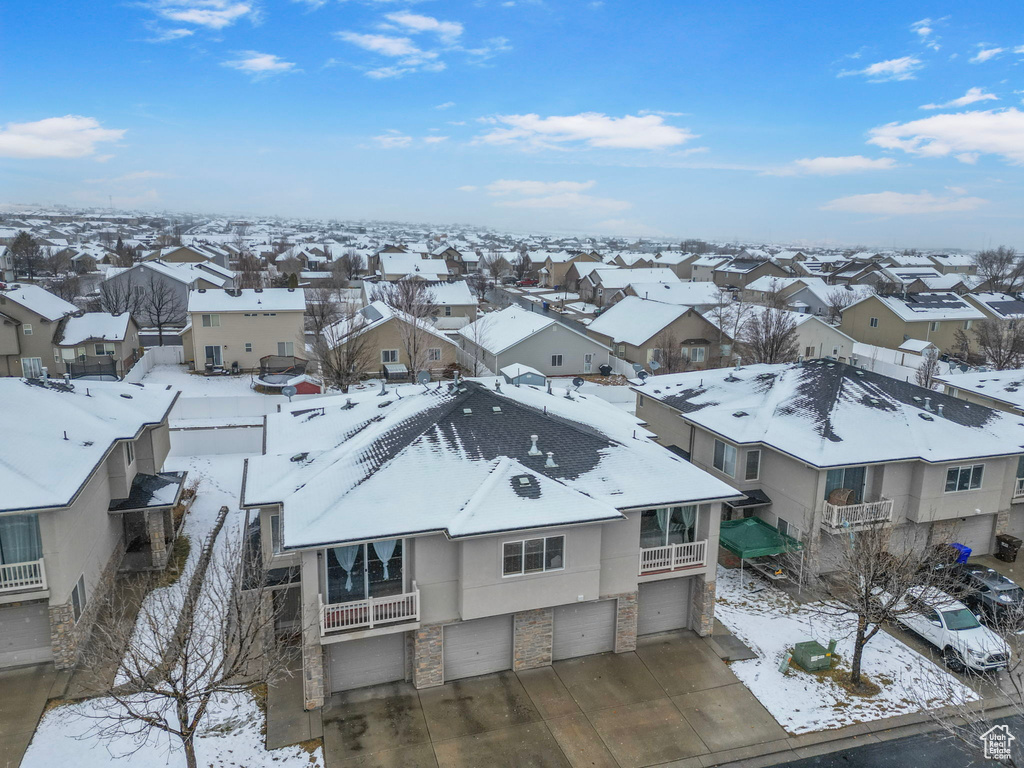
column 262, row 331
column 856, row 322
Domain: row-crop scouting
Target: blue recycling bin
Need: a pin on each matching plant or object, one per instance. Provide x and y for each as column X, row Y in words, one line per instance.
column 545, row 305
column 965, row 552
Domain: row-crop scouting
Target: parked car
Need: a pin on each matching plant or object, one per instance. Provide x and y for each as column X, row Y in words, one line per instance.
column 949, row 625
column 509, row 280
column 527, row 282
column 987, row 592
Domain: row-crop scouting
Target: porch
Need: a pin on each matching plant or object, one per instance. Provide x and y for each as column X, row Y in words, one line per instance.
column 369, row 613
column 837, row 516
column 17, row 577
column 673, row 557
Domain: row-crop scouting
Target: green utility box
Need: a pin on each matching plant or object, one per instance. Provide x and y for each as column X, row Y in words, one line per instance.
column 812, row 656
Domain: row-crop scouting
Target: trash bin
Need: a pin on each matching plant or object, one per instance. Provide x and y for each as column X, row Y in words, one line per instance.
column 1007, row 547
column 964, row 550
column 812, row 656
column 606, row 370
column 545, row 305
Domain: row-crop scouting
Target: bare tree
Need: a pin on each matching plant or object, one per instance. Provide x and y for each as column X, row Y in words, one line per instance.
column 478, row 333
column 769, row 336
column 28, row 255
column 494, row 265
column 1001, row 268
column 839, row 299
column 322, row 309
column 120, row 296
column 414, row 302
column 351, row 264
column 522, row 266
column 193, row 642
column 478, row 284
column 161, row 305
column 669, row 353
column 928, row 369
column 250, row 271
column 68, row 286
column 342, row 349
column 728, row 316
column 1001, row 342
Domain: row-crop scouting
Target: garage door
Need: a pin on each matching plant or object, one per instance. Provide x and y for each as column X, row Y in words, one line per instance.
column 977, row 533
column 581, row 629
column 477, row 647
column 25, row 635
column 663, row 606
column 372, row 660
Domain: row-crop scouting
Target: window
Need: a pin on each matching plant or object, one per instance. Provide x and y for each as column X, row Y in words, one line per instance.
column 27, row 329
column 211, row 321
column 934, row 325
column 248, row 346
column 78, row 598
column 533, row 556
column 285, row 348
column 753, row 468
column 213, row 355
column 847, row 477
column 1020, row 467
column 873, row 322
column 556, row 361
column 275, row 534
column 967, row 325
column 434, row 354
column 365, row 570
column 725, row 458
column 640, row 404
column 964, row 478
column 786, row 529
column 19, row 539
column 809, row 352
column 389, row 355
column 129, row 453
column 270, row 314
column 447, row 311
column 104, row 349
column 669, row 525
column 695, row 354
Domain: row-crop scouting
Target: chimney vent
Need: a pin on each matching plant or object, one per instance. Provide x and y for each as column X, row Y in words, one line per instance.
column 927, row 403
column 939, row 406
column 534, row 450
column 551, row 460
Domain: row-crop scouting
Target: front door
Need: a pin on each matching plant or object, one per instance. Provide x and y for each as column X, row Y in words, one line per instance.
column 588, row 362
column 32, row 367
column 213, row 355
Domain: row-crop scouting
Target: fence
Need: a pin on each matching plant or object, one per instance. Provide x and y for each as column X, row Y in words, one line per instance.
column 169, row 355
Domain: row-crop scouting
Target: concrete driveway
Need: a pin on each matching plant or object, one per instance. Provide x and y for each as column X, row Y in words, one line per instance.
column 671, row 700
column 24, row 694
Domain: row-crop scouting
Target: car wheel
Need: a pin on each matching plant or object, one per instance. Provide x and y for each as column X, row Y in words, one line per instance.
column 953, row 660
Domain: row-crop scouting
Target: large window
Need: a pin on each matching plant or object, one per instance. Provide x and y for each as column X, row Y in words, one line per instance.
column 669, row 525
column 19, row 539
column 104, row 349
column 364, row 570
column 964, row 478
column 533, row 556
column 847, row 477
column 725, row 458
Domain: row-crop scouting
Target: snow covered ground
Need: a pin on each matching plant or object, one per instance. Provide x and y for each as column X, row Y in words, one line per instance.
column 232, row 736
column 771, row 623
column 582, row 306
column 197, row 385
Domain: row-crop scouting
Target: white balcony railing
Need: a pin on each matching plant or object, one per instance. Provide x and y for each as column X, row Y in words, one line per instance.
column 1018, row 489
column 369, row 613
column 852, row 515
column 15, row 576
column 672, row 557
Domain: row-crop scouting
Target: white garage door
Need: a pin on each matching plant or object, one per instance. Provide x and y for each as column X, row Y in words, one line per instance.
column 581, row 629
column 372, row 660
column 477, row 647
column 663, row 606
column 25, row 635
column 978, row 533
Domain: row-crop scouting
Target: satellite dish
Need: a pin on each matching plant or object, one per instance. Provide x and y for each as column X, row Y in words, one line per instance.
column 423, row 377
column 289, row 392
column 637, row 368
column 577, row 382
column 642, row 375
column 655, row 365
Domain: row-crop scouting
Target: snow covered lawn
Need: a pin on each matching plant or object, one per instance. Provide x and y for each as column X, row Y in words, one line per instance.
column 197, row 385
column 771, row 623
column 582, row 306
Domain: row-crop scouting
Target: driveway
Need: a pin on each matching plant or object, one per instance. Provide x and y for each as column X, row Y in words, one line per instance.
column 672, row 699
column 25, row 691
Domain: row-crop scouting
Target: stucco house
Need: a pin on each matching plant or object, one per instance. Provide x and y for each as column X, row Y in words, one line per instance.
column 456, row 304
column 604, row 287
column 556, row 265
column 96, row 345
column 84, row 495
column 1000, row 390
column 743, row 270
column 29, row 315
column 510, row 529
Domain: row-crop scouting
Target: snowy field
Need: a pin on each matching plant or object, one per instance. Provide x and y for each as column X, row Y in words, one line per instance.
column 232, row 737
column 771, row 623
column 197, row 385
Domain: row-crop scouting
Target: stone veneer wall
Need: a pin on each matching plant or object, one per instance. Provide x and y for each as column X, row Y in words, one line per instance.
column 428, row 664
column 532, row 638
column 157, row 542
column 312, row 671
column 625, row 622
column 702, row 606
column 69, row 638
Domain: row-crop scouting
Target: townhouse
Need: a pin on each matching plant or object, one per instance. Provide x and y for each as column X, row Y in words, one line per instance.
column 450, row 533
column 1000, row 390
column 96, row 344
column 821, row 447
column 29, row 315
column 556, row 265
column 604, row 287
column 411, row 266
column 741, row 271
column 997, row 306
column 944, row 319
column 84, row 495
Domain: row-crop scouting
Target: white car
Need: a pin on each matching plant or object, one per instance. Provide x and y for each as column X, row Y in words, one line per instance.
column 950, row 626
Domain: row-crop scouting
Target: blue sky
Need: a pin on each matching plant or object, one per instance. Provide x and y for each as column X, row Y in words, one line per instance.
column 873, row 123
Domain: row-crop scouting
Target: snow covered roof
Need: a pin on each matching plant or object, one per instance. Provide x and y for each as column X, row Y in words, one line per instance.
column 187, row 272
column 93, row 325
column 915, row 345
column 247, row 300
column 687, row 294
column 635, row 321
column 500, row 330
column 1005, row 386
column 620, row 278
column 450, row 294
column 831, row 414
column 43, row 469
column 374, row 315
column 413, row 264
column 1002, row 305
column 38, row 300
column 921, row 307
column 457, row 461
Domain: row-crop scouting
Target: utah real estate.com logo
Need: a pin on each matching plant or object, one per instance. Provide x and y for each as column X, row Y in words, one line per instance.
column 998, row 743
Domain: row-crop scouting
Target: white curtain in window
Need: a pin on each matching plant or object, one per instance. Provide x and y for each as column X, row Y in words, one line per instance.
column 346, row 559
column 662, row 516
column 19, row 539
column 689, row 517
column 384, row 550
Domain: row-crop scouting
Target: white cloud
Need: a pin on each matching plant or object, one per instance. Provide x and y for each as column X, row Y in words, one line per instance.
column 213, row 14
column 884, row 71
column 834, row 166
column 963, row 135
column 382, row 44
column 133, row 176
column 448, row 31
column 972, row 96
column 985, row 54
column 434, row 139
column 591, row 129
column 515, row 187
column 491, row 48
column 446, row 105
column 1019, row 49
column 925, row 30
column 166, row 35
column 392, row 139
column 570, row 201
column 68, row 136
column 467, row 188
column 260, row 65
column 903, row 204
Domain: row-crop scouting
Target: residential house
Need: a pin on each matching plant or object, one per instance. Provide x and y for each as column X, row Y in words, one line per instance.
column 6, row 265
column 699, row 295
column 1000, row 390
column 702, row 270
column 83, row 495
column 411, row 266
column 96, row 345
column 239, row 327
column 29, row 315
column 197, row 253
column 456, row 304
column 997, row 306
column 556, row 265
column 800, row 294
column 517, row 335
column 446, row 534
column 679, row 262
column 604, row 287
column 944, row 319
column 579, row 270
column 821, row 448
column 741, row 271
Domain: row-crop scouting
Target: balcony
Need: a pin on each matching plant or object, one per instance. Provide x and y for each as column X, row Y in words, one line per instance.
column 1018, row 488
column 673, row 557
column 22, row 576
column 369, row 613
column 838, row 516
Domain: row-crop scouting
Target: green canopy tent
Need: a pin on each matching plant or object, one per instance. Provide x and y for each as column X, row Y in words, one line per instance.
column 752, row 537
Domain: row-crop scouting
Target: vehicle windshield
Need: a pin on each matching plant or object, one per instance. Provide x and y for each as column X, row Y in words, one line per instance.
column 960, row 618
column 1011, row 595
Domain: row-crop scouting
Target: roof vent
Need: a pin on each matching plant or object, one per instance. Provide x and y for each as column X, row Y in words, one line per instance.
column 926, row 417
column 939, row 407
column 550, row 460
column 740, row 414
column 496, row 408
column 524, row 480
column 468, row 411
column 927, row 403
column 291, row 290
column 126, row 397
column 202, row 290
column 534, row 450
column 299, row 457
column 917, row 399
